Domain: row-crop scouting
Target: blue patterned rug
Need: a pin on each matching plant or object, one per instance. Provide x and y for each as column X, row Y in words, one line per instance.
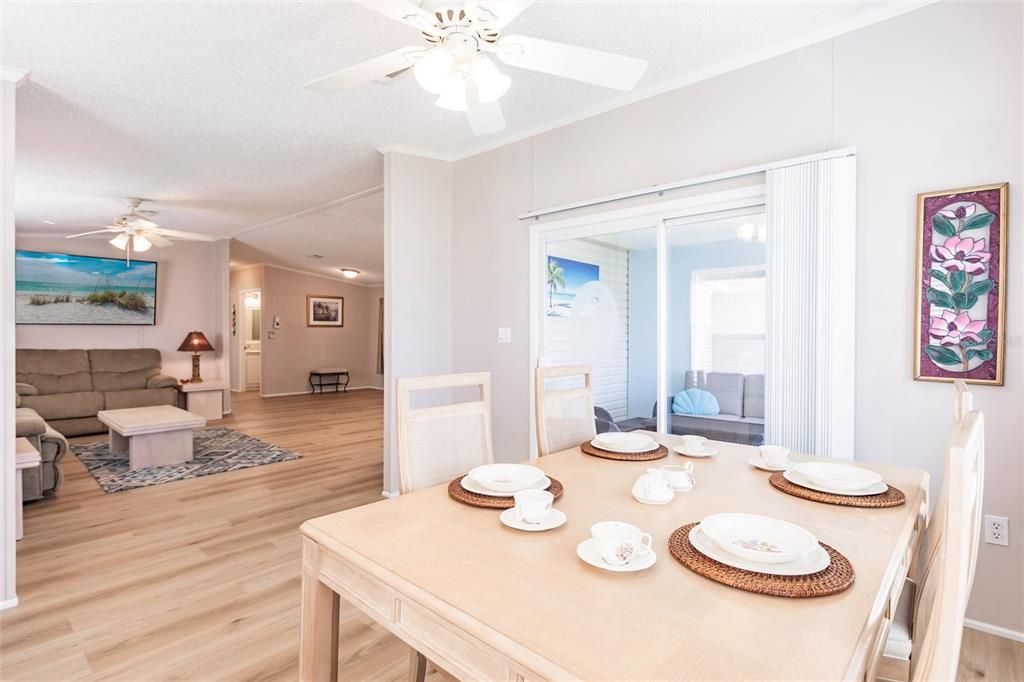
column 214, row 452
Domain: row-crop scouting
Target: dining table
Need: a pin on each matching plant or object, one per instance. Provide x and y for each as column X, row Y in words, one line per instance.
column 487, row 602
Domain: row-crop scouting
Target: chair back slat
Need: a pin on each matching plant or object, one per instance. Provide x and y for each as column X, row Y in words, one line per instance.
column 565, row 416
column 437, row 443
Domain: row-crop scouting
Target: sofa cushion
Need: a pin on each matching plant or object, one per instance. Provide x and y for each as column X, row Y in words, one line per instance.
column 27, row 422
column 65, row 405
column 696, row 402
column 49, row 384
column 36, row 361
column 753, row 396
column 727, row 387
column 119, row 381
column 145, row 397
column 125, row 360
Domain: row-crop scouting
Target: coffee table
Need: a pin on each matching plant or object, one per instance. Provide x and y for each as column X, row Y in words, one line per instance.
column 153, row 436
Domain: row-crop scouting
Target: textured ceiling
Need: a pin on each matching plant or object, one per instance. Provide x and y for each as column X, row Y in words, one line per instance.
column 199, row 105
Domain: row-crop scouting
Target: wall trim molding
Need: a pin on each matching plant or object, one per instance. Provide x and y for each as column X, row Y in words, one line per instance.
column 368, row 285
column 13, row 75
column 340, row 201
column 8, row 603
column 350, row 388
column 389, row 493
column 996, row 630
column 412, row 151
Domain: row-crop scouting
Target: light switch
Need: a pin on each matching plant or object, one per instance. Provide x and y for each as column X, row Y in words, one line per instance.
column 504, row 335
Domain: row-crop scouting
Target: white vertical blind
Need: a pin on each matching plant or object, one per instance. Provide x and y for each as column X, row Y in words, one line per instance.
column 810, row 290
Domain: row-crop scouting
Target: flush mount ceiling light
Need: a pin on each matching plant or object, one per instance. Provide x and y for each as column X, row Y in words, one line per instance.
column 456, row 66
column 349, row 273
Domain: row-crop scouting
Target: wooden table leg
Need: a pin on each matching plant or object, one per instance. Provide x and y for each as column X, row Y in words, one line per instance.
column 417, row 666
column 318, row 647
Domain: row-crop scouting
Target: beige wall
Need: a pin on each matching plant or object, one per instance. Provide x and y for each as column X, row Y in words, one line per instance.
column 296, row 349
column 925, row 112
column 188, row 275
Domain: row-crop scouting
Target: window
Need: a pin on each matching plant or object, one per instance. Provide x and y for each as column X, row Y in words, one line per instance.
column 727, row 323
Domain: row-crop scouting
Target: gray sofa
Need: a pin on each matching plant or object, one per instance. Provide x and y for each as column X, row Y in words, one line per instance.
column 66, row 388
column 741, row 401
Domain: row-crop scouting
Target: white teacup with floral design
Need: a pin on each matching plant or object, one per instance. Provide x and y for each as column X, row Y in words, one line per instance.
column 692, row 444
column 532, row 505
column 620, row 543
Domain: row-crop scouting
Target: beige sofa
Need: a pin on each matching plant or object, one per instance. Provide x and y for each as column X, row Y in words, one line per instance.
column 52, row 446
column 68, row 387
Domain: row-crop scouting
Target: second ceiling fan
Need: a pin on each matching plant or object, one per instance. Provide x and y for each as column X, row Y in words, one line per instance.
column 456, row 65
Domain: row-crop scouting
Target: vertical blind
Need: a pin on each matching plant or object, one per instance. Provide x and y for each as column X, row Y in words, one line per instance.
column 810, row 290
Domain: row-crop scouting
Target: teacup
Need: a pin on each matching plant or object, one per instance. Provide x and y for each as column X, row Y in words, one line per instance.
column 653, row 486
column 692, row 443
column 532, row 505
column 619, row 542
column 774, row 455
column 678, row 477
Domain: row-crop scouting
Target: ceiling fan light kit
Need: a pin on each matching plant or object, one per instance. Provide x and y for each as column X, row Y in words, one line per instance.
column 456, row 67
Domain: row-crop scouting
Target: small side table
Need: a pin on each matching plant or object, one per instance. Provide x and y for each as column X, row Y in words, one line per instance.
column 205, row 399
column 25, row 457
column 335, row 375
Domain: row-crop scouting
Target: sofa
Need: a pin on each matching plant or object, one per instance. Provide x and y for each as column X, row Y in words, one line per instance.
column 741, row 404
column 51, row 445
column 67, row 388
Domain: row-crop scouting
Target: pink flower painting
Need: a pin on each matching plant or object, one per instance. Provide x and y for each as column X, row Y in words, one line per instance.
column 962, row 254
column 950, row 329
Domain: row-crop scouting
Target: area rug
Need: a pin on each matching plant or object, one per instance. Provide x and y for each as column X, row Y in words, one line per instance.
column 214, row 451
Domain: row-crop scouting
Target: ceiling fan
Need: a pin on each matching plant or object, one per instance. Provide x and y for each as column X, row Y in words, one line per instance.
column 455, row 63
column 136, row 231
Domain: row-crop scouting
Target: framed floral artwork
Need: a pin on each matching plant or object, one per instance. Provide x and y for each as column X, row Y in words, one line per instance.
column 961, row 293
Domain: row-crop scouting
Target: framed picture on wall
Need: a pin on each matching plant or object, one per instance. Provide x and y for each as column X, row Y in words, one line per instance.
column 961, row 297
column 325, row 311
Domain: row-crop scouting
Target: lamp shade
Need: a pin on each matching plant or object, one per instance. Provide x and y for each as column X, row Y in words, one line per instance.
column 195, row 341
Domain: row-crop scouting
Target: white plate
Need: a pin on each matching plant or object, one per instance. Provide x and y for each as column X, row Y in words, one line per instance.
column 794, row 476
column 474, row 487
column 624, row 439
column 703, row 452
column 818, row 560
column 758, row 463
column 653, row 503
column 506, row 478
column 759, row 539
column 589, row 552
column 838, row 476
column 651, row 444
column 553, row 519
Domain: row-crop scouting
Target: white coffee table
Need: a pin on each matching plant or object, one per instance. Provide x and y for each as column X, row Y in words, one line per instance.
column 152, row 436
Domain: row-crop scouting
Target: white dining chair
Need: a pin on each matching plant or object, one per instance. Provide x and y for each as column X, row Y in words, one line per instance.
column 565, row 416
column 924, row 640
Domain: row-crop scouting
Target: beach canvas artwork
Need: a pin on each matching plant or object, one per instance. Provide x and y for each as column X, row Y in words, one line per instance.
column 564, row 279
column 58, row 288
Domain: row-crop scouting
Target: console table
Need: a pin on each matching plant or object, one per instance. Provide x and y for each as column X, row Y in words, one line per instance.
column 25, row 457
column 334, row 376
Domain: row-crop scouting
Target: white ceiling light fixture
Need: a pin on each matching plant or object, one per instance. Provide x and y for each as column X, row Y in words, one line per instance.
column 349, row 273
column 456, row 65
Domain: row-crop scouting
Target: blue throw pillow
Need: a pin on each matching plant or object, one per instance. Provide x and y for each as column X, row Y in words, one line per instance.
column 695, row 402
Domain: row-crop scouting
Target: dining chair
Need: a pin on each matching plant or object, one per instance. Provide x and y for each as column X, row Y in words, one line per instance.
column 437, row 443
column 924, row 640
column 565, row 416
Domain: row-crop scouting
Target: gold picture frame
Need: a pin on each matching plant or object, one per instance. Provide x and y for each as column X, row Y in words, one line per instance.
column 960, row 285
column 325, row 311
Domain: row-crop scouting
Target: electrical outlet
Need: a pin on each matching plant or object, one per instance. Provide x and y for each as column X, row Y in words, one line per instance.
column 997, row 530
column 504, row 335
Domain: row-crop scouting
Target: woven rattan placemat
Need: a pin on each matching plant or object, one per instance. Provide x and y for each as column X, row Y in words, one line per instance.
column 657, row 453
column 893, row 497
column 460, row 494
column 836, row 578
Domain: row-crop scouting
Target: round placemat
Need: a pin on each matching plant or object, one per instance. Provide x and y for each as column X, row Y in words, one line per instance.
column 657, row 453
column 893, row 497
column 460, row 494
column 836, row 578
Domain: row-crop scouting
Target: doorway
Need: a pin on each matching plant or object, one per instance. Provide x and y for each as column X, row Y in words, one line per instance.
column 250, row 367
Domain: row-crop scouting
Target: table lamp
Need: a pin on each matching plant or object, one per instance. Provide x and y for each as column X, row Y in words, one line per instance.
column 195, row 342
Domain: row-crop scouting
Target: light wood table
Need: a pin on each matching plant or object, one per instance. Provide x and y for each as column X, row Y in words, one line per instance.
column 25, row 457
column 153, row 436
column 205, row 398
column 487, row 602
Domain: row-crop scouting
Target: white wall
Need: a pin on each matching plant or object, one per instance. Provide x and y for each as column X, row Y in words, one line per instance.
column 418, row 280
column 931, row 99
column 190, row 276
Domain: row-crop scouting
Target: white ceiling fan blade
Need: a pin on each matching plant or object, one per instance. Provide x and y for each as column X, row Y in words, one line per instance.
column 179, row 234
column 82, row 234
column 157, row 240
column 569, row 61
column 495, row 14
column 484, row 118
column 399, row 10
column 365, row 72
column 138, row 221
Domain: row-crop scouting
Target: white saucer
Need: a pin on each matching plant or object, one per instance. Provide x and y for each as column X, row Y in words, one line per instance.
column 588, row 551
column 805, row 565
column 653, row 503
column 553, row 519
column 794, row 476
column 475, row 487
column 704, row 452
column 758, row 463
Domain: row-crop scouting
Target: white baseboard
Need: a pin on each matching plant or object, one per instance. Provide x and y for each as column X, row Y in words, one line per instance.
column 350, row 388
column 388, row 493
column 8, row 603
column 997, row 630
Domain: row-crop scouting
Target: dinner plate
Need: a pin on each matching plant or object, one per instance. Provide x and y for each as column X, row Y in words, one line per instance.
column 794, row 476
column 475, row 487
column 817, row 560
column 506, row 478
column 759, row 463
column 703, row 452
column 552, row 519
column 642, row 446
column 838, row 476
column 589, row 551
column 759, row 539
